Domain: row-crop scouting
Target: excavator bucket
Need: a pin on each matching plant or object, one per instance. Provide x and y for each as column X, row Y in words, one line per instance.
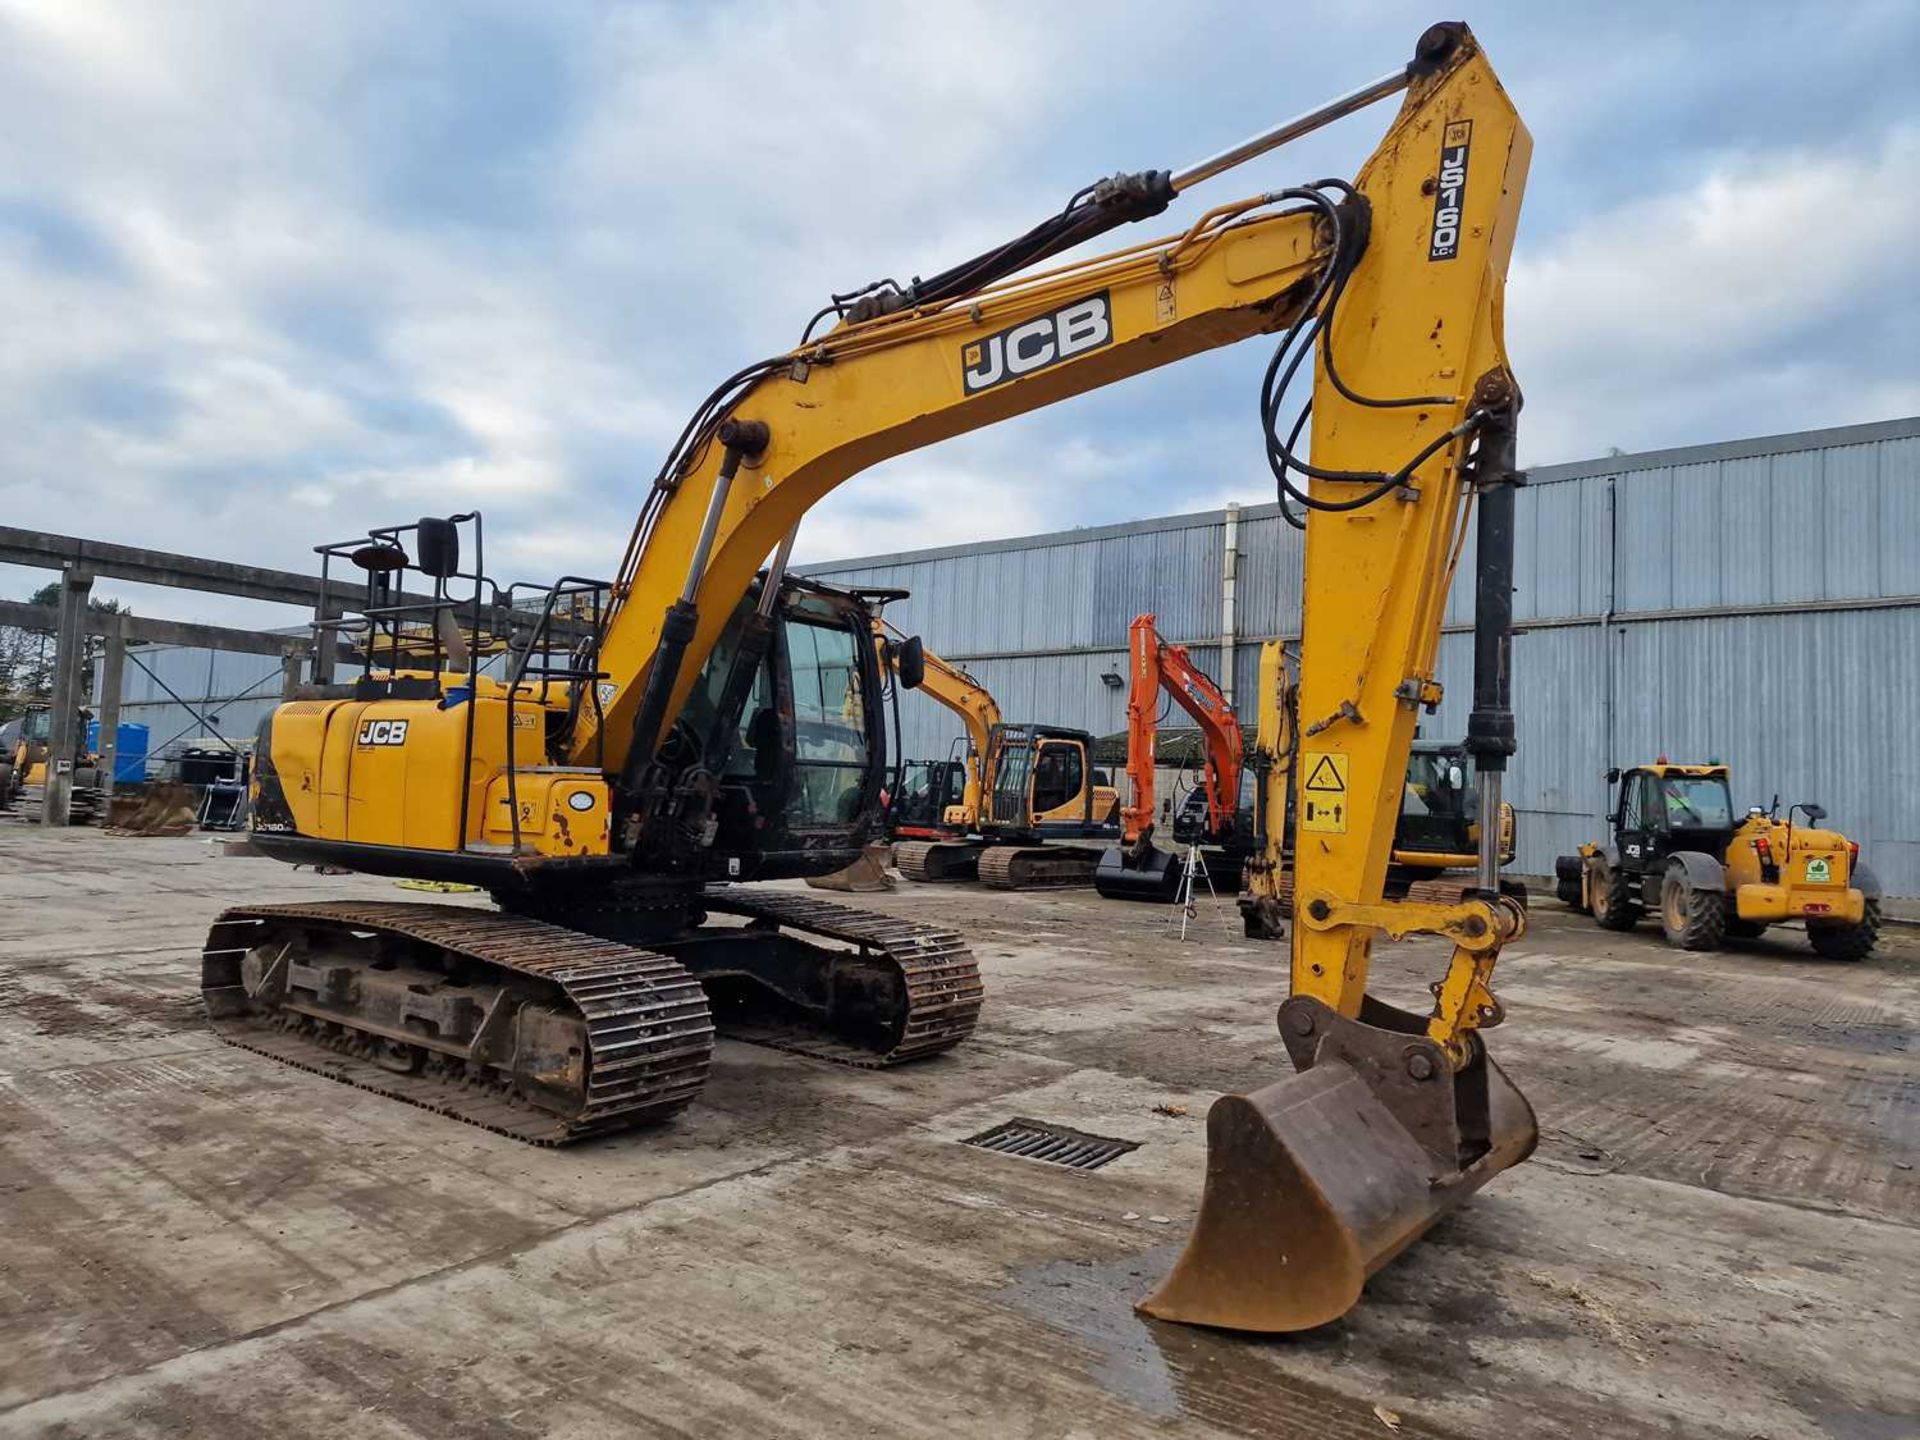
column 865, row 876
column 1316, row 1182
column 160, row 807
column 1139, row 872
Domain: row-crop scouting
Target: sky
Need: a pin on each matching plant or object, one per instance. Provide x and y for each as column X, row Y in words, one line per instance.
column 272, row 273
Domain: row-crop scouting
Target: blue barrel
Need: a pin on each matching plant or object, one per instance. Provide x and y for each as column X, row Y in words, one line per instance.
column 130, row 754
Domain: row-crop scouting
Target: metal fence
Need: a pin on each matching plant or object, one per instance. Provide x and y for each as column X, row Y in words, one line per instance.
column 1756, row 601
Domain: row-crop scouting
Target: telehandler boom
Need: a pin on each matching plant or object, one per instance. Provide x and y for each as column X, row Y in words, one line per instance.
column 696, row 721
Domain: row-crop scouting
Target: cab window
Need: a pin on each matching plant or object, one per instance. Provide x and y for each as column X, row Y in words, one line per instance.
column 1694, row 803
column 829, row 724
column 1057, row 777
column 1632, row 812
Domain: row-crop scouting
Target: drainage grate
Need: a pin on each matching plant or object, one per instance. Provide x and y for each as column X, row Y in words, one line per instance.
column 1055, row 1144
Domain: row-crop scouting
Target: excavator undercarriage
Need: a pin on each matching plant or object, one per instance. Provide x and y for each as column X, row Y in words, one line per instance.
column 601, row 1017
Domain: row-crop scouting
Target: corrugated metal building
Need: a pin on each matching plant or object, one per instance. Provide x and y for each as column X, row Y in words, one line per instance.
column 185, row 695
column 1754, row 600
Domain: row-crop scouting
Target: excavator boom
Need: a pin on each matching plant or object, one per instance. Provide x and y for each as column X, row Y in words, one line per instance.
column 950, row 686
column 781, row 434
column 1158, row 666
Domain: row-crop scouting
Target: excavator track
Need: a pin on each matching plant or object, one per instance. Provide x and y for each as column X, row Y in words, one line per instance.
column 1037, row 867
column 935, row 976
column 642, row 1023
column 932, row 862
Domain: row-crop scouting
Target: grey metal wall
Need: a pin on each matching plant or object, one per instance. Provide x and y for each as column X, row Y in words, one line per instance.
column 1756, row 601
column 212, row 692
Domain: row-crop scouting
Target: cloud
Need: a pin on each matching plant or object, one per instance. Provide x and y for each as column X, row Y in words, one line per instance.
column 1718, row 303
column 269, row 274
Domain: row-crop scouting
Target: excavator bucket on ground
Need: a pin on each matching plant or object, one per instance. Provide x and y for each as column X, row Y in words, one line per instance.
column 158, row 808
column 1140, row 871
column 1317, row 1181
column 865, row 876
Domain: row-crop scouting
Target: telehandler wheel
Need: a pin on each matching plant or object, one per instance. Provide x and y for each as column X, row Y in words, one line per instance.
column 1847, row 942
column 1617, row 908
column 1566, row 889
column 1692, row 919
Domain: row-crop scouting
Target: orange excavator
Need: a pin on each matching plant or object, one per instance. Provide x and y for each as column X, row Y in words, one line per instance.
column 1136, row 868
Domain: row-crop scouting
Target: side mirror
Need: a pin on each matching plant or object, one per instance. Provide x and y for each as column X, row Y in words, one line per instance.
column 1613, row 776
column 437, row 547
column 910, row 662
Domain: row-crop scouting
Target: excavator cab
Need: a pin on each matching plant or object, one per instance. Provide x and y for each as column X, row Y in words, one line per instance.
column 778, row 754
column 1044, row 784
column 924, row 790
column 802, row 780
column 1439, row 827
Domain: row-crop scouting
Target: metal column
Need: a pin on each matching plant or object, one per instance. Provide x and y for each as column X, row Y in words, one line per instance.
column 1229, row 601
column 69, row 660
column 112, row 668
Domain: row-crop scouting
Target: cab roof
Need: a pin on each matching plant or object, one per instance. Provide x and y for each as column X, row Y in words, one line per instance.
column 1663, row 768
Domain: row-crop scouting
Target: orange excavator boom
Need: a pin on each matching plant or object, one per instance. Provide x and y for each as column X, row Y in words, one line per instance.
column 1159, row 666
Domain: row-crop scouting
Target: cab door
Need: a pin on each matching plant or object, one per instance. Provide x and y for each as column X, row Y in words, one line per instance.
column 1060, row 797
column 1640, row 820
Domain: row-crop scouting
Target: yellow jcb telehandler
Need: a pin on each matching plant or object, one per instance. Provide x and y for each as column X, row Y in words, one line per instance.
column 1677, row 850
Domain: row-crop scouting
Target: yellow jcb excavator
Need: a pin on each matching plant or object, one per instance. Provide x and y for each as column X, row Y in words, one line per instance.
column 713, row 722
column 1024, row 786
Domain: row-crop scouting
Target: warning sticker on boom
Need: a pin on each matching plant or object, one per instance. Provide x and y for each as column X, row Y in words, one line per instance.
column 1323, row 798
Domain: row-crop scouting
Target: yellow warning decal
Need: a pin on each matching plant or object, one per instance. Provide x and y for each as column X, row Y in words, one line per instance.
column 1323, row 802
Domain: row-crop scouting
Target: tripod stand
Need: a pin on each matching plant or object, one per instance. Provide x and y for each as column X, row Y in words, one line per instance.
column 1186, row 899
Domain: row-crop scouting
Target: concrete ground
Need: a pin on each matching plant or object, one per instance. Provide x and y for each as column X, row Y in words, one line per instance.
column 1717, row 1237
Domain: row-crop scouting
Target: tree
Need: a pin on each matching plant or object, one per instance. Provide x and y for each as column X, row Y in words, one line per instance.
column 26, row 654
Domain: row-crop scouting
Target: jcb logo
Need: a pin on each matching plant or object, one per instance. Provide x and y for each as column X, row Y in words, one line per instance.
column 1450, row 191
column 382, row 732
column 1035, row 344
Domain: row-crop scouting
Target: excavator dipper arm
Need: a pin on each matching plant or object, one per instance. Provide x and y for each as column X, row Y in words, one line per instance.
column 1395, row 1117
